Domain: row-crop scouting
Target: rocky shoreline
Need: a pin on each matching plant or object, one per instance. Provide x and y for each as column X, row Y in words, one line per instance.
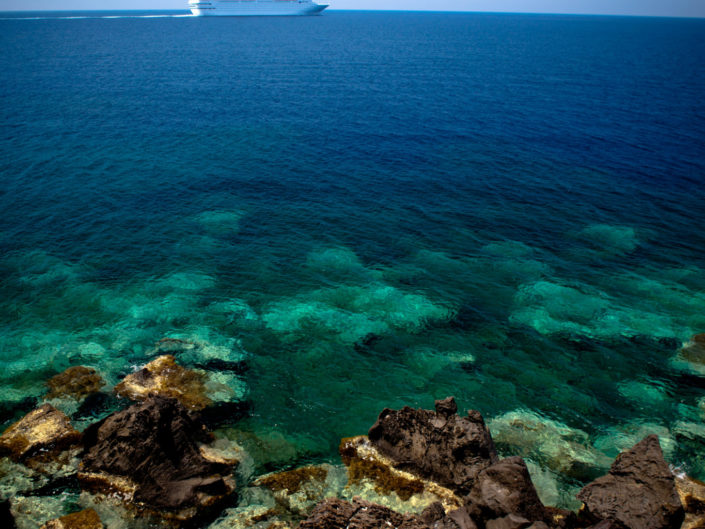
column 156, row 464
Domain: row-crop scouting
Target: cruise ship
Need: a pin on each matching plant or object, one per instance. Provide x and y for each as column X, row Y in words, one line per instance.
column 235, row 8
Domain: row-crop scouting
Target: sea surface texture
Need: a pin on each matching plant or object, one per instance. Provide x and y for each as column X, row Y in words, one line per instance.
column 365, row 210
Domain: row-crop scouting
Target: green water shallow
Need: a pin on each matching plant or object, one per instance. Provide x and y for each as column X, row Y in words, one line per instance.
column 342, row 338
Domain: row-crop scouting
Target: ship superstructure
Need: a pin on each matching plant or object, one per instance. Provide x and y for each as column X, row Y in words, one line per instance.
column 254, row 7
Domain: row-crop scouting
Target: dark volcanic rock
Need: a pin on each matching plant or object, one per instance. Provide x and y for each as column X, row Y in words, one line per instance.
column 339, row 514
column 511, row 521
column 608, row 524
column 434, row 516
column 639, row 491
column 329, row 514
column 446, row 407
column 504, row 489
column 151, row 450
column 440, row 446
column 459, row 519
column 372, row 516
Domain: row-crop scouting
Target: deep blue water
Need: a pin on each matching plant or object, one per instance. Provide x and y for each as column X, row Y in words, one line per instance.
column 370, row 210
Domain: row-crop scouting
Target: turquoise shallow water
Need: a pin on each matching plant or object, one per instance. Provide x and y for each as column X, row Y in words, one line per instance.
column 363, row 210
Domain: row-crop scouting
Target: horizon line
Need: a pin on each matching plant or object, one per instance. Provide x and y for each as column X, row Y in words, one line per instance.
column 555, row 13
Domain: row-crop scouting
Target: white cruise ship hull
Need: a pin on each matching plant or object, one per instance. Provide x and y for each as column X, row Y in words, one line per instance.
column 254, row 7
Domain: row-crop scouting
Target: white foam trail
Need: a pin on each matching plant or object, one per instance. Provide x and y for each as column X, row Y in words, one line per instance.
column 82, row 17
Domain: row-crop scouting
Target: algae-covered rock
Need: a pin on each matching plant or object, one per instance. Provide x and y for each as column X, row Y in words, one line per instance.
column 45, row 429
column 31, row 512
column 150, row 454
column 440, row 446
column 299, row 490
column 374, row 476
column 692, row 495
column 694, row 350
column 76, row 382
column 164, row 377
column 639, row 490
column 85, row 519
column 250, row 517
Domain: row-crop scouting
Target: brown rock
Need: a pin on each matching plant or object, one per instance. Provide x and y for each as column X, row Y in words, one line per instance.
column 329, row 514
column 76, row 382
column 561, row 518
column 458, row 519
column 433, row 513
column 446, row 407
column 44, row 429
column 439, row 446
column 86, row 519
column 164, row 377
column 334, row 513
column 504, row 489
column 372, row 516
column 538, row 525
column 511, row 521
column 338, row 514
column 608, row 524
column 692, row 496
column 435, row 516
column 150, row 454
column 639, row 490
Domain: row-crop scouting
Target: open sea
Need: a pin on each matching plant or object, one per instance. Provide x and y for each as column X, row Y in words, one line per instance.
column 364, row 210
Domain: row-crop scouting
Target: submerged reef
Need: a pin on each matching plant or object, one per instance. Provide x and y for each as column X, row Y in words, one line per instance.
column 155, row 464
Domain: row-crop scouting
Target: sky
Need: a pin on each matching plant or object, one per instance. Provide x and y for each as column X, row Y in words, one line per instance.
column 686, row 8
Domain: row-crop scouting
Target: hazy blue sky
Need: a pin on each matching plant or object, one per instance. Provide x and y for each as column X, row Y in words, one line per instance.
column 631, row 7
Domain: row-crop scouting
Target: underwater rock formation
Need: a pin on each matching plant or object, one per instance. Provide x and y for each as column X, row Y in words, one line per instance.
column 45, row 429
column 76, row 382
column 440, row 446
column 163, row 376
column 563, row 449
column 639, row 491
column 150, row 454
column 694, row 350
column 86, row 519
column 300, row 489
